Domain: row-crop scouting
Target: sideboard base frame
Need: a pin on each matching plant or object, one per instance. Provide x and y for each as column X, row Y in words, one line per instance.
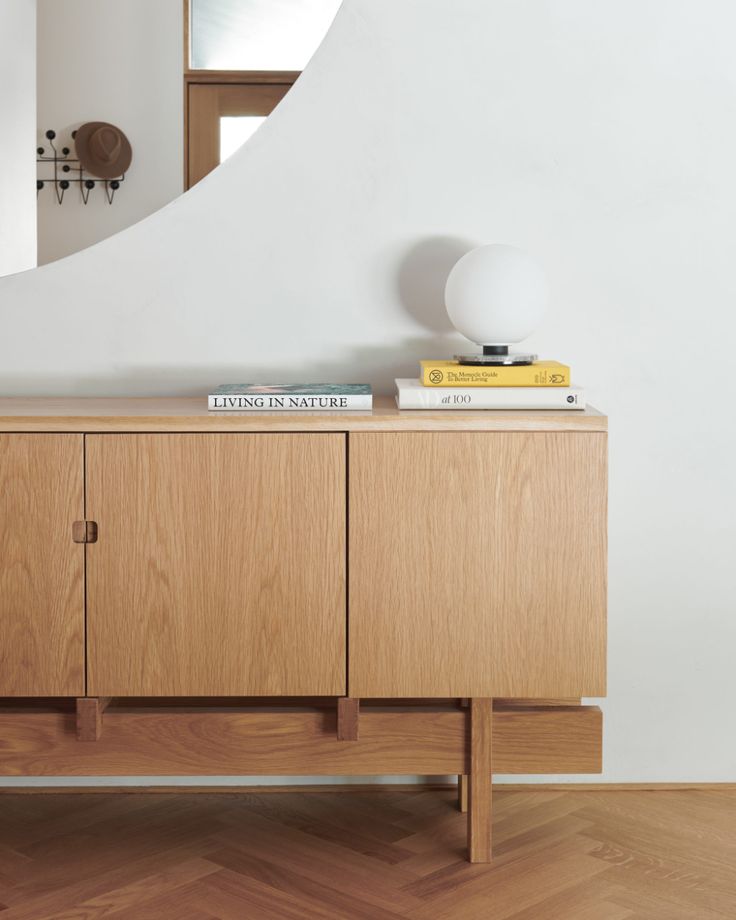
column 257, row 738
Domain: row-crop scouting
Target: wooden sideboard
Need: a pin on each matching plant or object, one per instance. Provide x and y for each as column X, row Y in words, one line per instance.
column 378, row 592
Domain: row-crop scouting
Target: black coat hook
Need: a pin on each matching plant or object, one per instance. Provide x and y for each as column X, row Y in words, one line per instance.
column 63, row 162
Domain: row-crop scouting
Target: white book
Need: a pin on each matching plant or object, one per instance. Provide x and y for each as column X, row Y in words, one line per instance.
column 412, row 395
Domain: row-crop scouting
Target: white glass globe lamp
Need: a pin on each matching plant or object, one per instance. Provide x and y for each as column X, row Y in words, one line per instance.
column 496, row 296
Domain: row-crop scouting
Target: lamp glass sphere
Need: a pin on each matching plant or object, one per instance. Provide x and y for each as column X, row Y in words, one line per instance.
column 496, row 295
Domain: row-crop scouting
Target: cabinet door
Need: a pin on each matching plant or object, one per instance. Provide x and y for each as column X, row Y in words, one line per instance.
column 41, row 568
column 477, row 564
column 220, row 564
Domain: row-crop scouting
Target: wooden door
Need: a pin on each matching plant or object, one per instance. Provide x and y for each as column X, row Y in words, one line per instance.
column 477, row 564
column 208, row 103
column 41, row 568
column 219, row 568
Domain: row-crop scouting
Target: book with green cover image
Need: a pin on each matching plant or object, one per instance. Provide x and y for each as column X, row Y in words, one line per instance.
column 290, row 397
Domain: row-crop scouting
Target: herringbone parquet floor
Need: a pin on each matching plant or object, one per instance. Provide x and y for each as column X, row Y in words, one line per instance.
column 571, row 855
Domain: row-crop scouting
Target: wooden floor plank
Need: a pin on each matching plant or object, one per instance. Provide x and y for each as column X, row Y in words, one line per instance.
column 512, row 886
column 280, row 877
column 323, row 861
column 236, row 896
column 637, row 843
column 650, row 904
column 558, row 855
column 162, row 885
column 587, row 900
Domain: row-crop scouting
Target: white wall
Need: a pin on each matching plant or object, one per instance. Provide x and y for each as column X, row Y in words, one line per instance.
column 18, row 111
column 599, row 136
column 102, row 60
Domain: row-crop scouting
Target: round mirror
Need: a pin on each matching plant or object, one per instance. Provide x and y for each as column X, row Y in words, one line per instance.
column 183, row 84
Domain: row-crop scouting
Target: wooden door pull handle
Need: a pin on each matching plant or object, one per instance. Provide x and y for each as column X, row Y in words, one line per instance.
column 348, row 717
column 84, row 531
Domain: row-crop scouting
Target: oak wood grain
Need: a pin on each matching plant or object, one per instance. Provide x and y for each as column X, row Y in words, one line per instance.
column 41, row 568
column 205, row 742
column 478, row 564
column 563, row 855
column 566, row 738
column 479, row 780
column 348, row 718
column 219, row 568
column 462, row 793
column 149, row 414
column 145, row 742
column 361, row 789
column 89, row 717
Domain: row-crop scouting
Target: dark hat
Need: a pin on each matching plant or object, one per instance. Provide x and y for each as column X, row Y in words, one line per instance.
column 102, row 149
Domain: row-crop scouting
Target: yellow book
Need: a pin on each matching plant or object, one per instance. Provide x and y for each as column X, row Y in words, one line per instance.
column 454, row 374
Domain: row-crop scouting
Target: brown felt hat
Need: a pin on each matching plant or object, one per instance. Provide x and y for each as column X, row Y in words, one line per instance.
column 102, row 149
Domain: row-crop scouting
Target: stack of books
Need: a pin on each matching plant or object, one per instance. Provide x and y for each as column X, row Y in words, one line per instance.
column 451, row 385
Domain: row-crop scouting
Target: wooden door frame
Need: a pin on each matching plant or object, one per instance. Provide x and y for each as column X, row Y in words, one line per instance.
column 208, row 104
column 240, row 77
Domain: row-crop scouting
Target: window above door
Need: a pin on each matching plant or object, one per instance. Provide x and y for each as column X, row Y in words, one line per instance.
column 257, row 34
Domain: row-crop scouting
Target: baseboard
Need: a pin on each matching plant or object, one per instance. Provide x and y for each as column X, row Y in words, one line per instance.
column 615, row 787
column 362, row 788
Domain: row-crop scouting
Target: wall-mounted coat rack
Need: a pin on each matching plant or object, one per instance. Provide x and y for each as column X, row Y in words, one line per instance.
column 103, row 156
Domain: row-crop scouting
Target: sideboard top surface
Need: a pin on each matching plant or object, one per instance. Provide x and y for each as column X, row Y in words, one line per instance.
column 188, row 414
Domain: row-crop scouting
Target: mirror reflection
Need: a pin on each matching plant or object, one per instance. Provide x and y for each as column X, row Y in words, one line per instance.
column 257, row 34
column 185, row 84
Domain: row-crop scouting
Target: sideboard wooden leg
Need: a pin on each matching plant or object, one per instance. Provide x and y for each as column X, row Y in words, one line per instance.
column 462, row 780
column 89, row 717
column 479, row 798
column 348, row 717
column 462, row 793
